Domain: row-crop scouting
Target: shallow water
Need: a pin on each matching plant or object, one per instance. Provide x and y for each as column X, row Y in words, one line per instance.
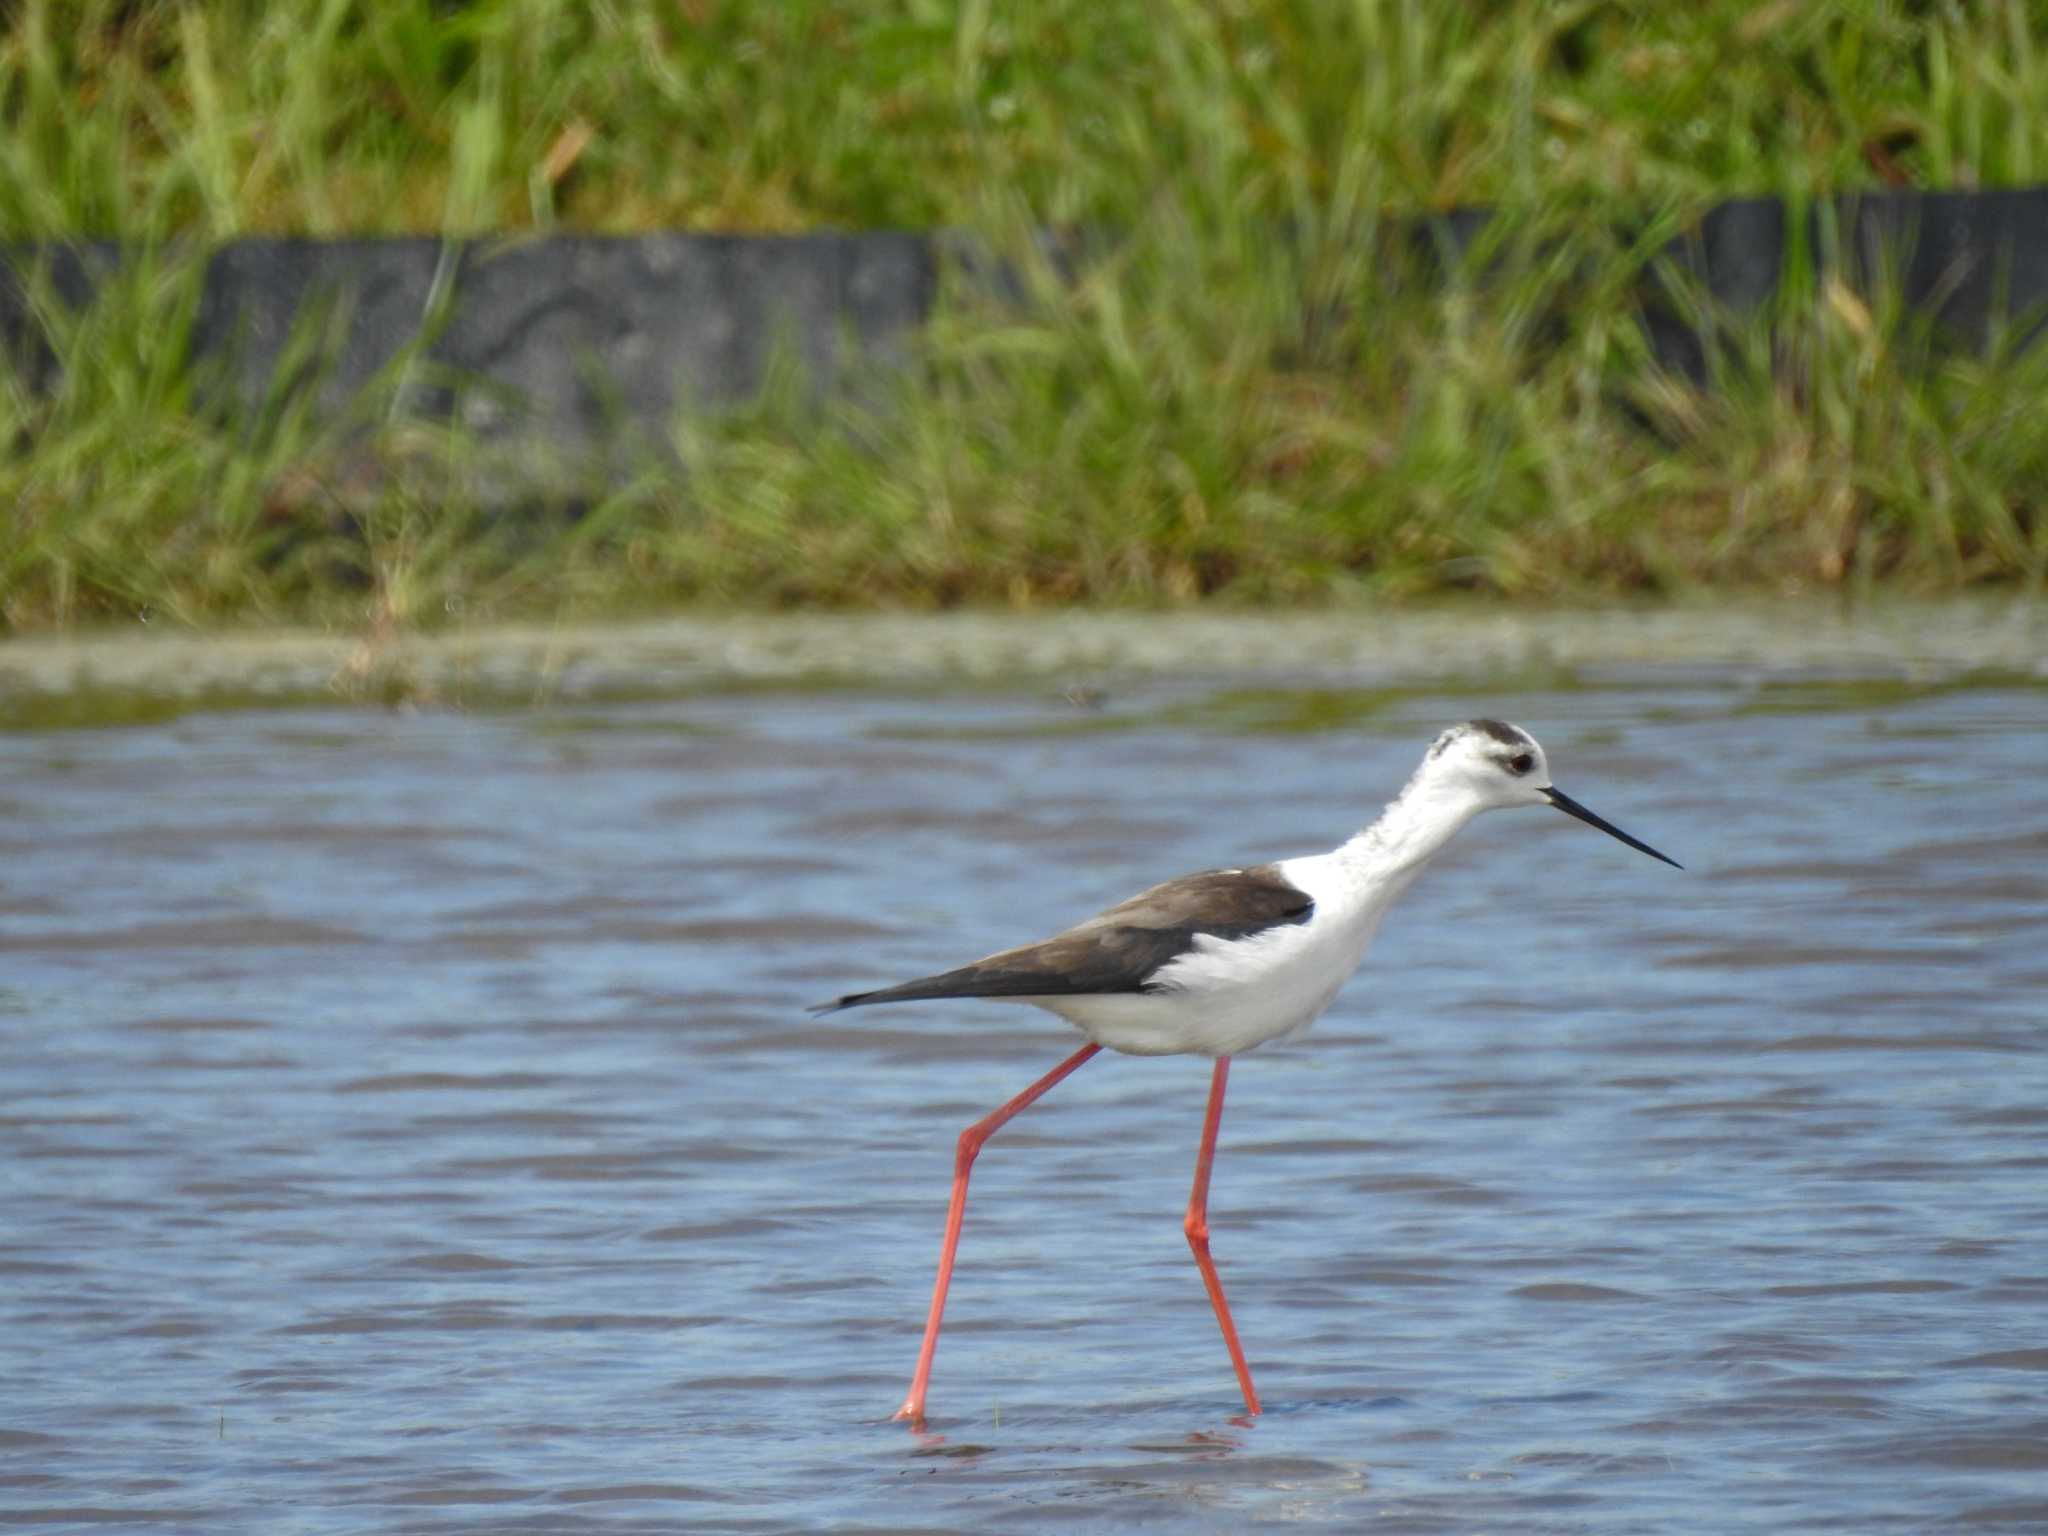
column 409, row 1122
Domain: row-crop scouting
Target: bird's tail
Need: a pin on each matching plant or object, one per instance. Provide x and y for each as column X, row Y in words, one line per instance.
column 978, row 980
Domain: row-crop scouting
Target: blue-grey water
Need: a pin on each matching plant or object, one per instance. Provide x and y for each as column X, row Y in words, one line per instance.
column 409, row 1122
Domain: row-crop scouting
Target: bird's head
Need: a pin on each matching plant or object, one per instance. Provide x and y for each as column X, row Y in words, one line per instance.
column 1492, row 765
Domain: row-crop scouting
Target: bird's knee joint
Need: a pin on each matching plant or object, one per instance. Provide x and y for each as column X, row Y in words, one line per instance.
column 967, row 1148
column 1197, row 1229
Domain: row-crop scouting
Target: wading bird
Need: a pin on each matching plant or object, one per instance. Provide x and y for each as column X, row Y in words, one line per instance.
column 1215, row 963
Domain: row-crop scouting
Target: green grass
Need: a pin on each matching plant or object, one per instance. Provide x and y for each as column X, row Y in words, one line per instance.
column 331, row 117
column 1247, row 394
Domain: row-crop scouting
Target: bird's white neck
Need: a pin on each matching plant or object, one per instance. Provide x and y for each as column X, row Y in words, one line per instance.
column 1385, row 857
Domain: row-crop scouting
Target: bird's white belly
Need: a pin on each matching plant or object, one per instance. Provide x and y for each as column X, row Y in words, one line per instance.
column 1225, row 995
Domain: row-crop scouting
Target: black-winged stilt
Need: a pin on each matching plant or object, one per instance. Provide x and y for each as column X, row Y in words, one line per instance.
column 1218, row 962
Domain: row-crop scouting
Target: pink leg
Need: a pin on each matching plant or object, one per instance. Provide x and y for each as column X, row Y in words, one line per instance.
column 1198, row 1233
column 971, row 1141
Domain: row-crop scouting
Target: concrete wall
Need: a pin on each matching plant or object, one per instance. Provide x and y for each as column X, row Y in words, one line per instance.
column 569, row 339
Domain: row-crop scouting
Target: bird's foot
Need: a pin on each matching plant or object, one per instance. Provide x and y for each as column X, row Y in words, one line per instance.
column 912, row 1413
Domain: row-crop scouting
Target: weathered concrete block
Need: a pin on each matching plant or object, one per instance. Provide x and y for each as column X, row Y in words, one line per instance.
column 571, row 338
column 572, row 346
column 581, row 331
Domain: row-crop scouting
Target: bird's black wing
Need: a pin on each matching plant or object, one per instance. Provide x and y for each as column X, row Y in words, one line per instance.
column 1121, row 949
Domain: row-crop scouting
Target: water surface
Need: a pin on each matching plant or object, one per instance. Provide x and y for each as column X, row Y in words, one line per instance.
column 409, row 1122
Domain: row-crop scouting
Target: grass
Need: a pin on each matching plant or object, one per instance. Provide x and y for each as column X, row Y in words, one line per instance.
column 1205, row 409
column 330, row 117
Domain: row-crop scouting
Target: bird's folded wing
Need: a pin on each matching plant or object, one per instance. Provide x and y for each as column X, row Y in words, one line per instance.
column 1121, row 949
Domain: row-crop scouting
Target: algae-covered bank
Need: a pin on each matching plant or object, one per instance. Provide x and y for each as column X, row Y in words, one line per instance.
column 110, row 676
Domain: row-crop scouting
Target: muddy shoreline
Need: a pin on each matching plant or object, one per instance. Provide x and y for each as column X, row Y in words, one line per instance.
column 515, row 664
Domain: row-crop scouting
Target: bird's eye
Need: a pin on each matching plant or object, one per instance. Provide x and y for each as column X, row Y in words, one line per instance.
column 1521, row 762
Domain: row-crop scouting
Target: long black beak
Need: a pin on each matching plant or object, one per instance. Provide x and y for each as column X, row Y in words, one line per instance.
column 1571, row 807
